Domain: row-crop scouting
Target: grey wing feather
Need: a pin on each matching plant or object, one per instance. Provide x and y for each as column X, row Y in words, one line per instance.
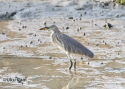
column 73, row 46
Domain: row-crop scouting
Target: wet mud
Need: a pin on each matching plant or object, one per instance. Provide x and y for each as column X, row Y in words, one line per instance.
column 50, row 74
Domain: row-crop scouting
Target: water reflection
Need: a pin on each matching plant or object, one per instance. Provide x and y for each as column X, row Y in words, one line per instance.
column 71, row 80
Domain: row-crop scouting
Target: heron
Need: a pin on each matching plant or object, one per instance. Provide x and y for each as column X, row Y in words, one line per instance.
column 67, row 44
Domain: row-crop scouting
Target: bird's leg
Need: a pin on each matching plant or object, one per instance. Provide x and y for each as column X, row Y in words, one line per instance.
column 69, row 57
column 70, row 64
column 74, row 61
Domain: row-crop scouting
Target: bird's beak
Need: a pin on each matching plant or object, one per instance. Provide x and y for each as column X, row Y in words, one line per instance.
column 45, row 28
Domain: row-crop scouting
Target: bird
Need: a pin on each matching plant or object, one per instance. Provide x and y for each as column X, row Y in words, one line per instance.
column 68, row 44
column 108, row 25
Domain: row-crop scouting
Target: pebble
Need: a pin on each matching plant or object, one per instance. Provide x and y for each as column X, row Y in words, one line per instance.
column 70, row 17
column 3, row 33
column 21, row 46
column 97, row 44
column 23, row 26
column 80, row 15
column 84, row 34
column 67, row 27
column 50, row 57
column 45, row 24
column 54, row 22
column 31, row 42
column 102, row 63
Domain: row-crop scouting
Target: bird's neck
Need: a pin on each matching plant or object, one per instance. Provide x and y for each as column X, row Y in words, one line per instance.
column 56, row 32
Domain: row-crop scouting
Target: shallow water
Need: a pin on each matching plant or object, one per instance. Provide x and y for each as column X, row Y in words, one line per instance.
column 49, row 74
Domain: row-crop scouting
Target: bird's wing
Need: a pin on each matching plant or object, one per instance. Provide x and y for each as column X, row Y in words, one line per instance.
column 73, row 46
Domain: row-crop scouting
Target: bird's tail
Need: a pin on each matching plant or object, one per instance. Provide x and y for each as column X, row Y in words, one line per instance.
column 90, row 54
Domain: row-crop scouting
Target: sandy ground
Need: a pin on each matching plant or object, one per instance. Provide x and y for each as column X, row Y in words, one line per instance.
column 28, row 54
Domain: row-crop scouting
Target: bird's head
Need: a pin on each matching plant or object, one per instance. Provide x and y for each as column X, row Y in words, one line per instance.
column 52, row 28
